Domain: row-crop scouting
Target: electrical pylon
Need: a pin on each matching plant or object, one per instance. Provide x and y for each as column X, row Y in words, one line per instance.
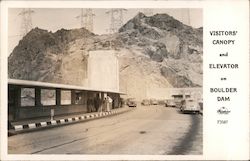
column 116, row 19
column 86, row 19
column 26, row 23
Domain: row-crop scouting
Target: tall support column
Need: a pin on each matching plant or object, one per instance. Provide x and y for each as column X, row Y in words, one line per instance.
column 102, row 95
column 38, row 96
column 17, row 102
column 58, row 97
column 100, row 102
column 116, row 101
column 73, row 97
column 18, row 97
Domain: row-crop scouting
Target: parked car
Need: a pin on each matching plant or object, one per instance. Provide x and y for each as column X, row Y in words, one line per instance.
column 190, row 106
column 131, row 102
column 178, row 103
column 153, row 102
column 145, row 102
column 162, row 102
column 170, row 103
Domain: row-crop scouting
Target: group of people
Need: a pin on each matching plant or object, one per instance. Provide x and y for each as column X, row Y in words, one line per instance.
column 96, row 104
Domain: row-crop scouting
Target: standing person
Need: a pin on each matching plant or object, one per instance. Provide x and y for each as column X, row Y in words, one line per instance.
column 92, row 105
column 105, row 104
column 97, row 103
column 119, row 102
column 88, row 105
column 109, row 103
column 99, row 100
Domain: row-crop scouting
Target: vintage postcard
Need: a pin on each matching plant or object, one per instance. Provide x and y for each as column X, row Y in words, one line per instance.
column 124, row 80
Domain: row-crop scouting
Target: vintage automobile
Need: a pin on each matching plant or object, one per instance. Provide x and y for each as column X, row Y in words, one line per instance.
column 170, row 103
column 190, row 106
column 145, row 102
column 153, row 102
column 178, row 103
column 131, row 102
column 162, row 102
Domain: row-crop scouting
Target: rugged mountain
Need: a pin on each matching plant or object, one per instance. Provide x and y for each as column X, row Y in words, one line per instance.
column 40, row 54
column 176, row 47
column 156, row 51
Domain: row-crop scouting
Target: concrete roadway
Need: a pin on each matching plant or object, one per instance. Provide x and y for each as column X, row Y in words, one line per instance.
column 153, row 130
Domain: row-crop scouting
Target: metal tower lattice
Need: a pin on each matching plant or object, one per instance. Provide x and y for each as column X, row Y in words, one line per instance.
column 89, row 18
column 86, row 19
column 116, row 17
column 26, row 23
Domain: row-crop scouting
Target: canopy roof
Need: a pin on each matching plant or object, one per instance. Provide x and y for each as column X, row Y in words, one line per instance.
column 32, row 84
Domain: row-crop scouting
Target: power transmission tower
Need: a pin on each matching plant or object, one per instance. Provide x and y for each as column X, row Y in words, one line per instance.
column 86, row 19
column 148, row 12
column 26, row 23
column 81, row 18
column 89, row 18
column 116, row 16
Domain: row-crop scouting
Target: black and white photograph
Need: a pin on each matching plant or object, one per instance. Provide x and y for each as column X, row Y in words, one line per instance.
column 105, row 81
column 124, row 80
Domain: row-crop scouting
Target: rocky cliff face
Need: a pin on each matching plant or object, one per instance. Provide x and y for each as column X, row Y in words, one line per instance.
column 156, row 51
column 175, row 47
column 44, row 56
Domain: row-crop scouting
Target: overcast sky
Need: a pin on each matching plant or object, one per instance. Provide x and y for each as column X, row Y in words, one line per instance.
column 54, row 19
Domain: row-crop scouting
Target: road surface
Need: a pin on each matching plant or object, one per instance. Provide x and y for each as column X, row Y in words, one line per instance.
column 153, row 130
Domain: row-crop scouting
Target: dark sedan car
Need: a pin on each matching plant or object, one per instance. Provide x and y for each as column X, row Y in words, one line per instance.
column 145, row 102
column 170, row 103
column 131, row 102
column 153, row 102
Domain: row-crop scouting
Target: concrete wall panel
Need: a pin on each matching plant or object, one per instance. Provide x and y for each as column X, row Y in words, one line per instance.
column 103, row 70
